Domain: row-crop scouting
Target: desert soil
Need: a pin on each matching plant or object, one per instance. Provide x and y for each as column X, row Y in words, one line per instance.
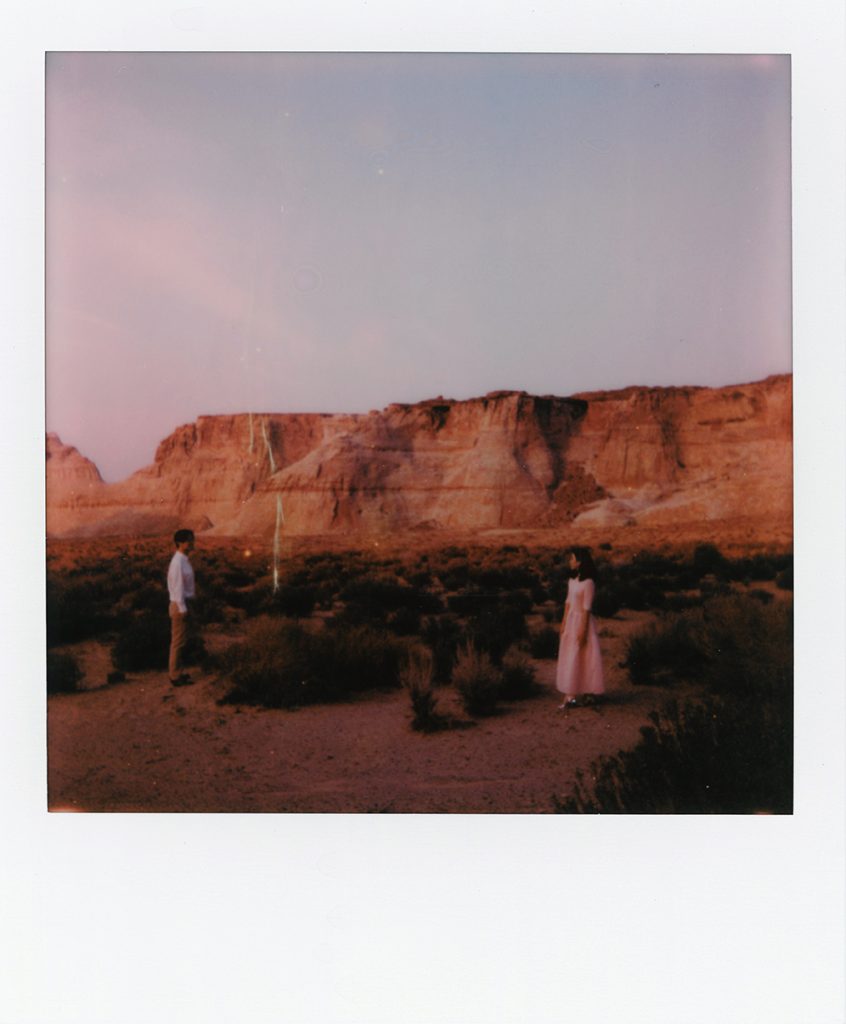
column 142, row 745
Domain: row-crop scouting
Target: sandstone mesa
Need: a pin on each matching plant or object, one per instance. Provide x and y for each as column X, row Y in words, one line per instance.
column 688, row 462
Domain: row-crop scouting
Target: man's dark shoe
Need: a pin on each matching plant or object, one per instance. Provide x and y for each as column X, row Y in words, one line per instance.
column 183, row 680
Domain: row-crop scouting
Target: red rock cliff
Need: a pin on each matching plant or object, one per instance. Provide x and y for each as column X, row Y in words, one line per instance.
column 647, row 456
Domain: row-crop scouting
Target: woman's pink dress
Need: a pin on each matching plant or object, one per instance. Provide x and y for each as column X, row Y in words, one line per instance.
column 579, row 668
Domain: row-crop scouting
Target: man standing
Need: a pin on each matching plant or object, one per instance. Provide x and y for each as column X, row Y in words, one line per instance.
column 180, row 586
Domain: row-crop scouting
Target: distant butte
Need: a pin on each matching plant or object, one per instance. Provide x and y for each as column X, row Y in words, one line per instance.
column 681, row 461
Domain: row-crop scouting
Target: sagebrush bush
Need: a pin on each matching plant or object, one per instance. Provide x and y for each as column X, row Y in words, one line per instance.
column 707, row 558
column 389, row 595
column 77, row 611
column 495, row 629
column 281, row 664
column 63, row 673
column 606, row 603
column 667, row 652
column 730, row 751
column 145, row 642
column 477, row 681
column 720, row 756
column 518, row 676
column 545, row 642
column 404, row 622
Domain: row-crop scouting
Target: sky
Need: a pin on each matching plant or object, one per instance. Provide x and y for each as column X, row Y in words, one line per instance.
column 319, row 232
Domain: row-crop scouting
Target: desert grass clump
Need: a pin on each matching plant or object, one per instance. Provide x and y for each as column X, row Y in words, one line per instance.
column 63, row 673
column 477, row 680
column 443, row 634
column 416, row 676
column 518, row 676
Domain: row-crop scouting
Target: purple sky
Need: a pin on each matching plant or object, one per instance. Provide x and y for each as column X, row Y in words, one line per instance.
column 319, row 232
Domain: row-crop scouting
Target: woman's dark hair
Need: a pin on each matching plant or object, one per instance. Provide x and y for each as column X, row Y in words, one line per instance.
column 587, row 570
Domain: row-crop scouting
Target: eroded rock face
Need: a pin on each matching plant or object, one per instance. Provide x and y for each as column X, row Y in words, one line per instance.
column 509, row 460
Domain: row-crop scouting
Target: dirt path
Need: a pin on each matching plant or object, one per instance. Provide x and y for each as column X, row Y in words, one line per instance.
column 142, row 745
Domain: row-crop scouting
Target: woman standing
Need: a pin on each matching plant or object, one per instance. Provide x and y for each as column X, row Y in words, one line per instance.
column 579, row 659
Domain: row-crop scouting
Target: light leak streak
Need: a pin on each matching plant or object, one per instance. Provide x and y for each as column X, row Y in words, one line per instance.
column 280, row 519
column 270, row 458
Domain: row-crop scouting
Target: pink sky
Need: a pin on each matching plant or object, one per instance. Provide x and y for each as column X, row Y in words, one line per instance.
column 272, row 232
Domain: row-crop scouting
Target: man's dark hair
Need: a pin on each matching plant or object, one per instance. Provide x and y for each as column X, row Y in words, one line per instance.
column 181, row 536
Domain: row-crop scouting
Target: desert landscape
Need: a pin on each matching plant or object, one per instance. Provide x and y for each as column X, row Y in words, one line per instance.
column 344, row 549
column 391, row 333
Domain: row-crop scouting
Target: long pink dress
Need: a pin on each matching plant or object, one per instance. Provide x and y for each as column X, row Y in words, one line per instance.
column 579, row 668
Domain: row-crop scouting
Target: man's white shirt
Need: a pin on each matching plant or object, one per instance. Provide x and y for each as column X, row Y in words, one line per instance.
column 180, row 580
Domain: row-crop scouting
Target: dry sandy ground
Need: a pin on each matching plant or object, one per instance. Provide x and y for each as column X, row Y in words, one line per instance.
column 142, row 745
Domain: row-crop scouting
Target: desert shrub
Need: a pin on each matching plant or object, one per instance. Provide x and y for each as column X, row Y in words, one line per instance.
column 144, row 644
column 521, row 601
column 758, row 567
column 355, row 614
column 556, row 586
column 544, row 643
column 681, row 602
column 650, row 563
column 667, row 652
column 388, row 595
column 420, row 578
column 63, row 673
column 404, row 621
column 455, row 574
column 253, row 600
column 283, row 665
column 477, row 681
column 210, row 609
column 148, row 597
column 77, row 611
column 722, row 756
column 707, row 558
column 784, row 580
column 749, row 647
column 731, row 644
column 416, row 675
column 237, row 578
column 627, row 593
column 764, row 596
column 710, row 587
column 518, row 676
column 442, row 634
column 504, row 577
column 495, row 629
column 293, row 600
column 606, row 602
column 471, row 602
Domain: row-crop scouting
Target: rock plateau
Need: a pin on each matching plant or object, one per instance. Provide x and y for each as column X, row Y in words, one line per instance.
column 691, row 461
